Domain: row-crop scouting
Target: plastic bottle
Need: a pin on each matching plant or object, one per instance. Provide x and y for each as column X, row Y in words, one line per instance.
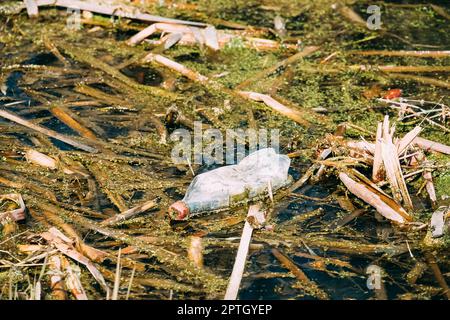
column 220, row 188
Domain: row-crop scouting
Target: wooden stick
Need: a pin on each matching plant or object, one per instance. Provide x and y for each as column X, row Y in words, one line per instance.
column 53, row 134
column 241, row 257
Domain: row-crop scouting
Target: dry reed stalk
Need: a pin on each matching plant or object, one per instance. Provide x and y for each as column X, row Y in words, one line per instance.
column 57, row 239
column 209, row 36
column 416, row 272
column 241, row 256
column 15, row 214
column 195, row 251
column 431, row 260
column 310, row 285
column 32, row 8
column 157, row 27
column 31, row 186
column 403, row 53
column 188, row 73
column 129, row 213
column 421, row 79
column 364, row 148
column 431, row 145
column 107, row 8
column 63, row 116
column 377, row 170
column 429, row 185
column 440, row 11
column 90, row 252
column 362, row 191
column 53, row 134
column 56, row 277
column 101, row 177
column 401, row 69
column 292, row 114
column 72, row 280
column 407, row 139
column 437, row 223
column 115, row 292
column 391, row 163
column 38, row 158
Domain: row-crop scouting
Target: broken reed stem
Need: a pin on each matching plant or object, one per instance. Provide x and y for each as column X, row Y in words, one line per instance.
column 438, row 274
column 427, row 145
column 62, row 114
column 188, row 73
column 241, row 257
column 72, row 280
column 53, row 134
column 115, row 293
column 398, row 215
column 181, row 268
column 56, row 277
column 421, row 79
column 311, row 286
column 402, row 53
column 129, row 213
column 118, row 10
column 292, row 114
column 400, row 69
column 377, row 174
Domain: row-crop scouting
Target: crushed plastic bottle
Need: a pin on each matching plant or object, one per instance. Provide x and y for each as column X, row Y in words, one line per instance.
column 221, row 188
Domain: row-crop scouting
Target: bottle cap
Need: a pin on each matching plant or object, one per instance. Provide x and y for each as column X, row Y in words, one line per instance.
column 178, row 211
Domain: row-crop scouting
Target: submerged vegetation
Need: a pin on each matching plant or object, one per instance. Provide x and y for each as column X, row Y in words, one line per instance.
column 85, row 149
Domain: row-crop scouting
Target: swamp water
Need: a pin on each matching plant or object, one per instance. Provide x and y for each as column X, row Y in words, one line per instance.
column 136, row 167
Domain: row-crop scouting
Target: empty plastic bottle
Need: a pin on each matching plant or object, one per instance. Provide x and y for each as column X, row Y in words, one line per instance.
column 221, row 188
